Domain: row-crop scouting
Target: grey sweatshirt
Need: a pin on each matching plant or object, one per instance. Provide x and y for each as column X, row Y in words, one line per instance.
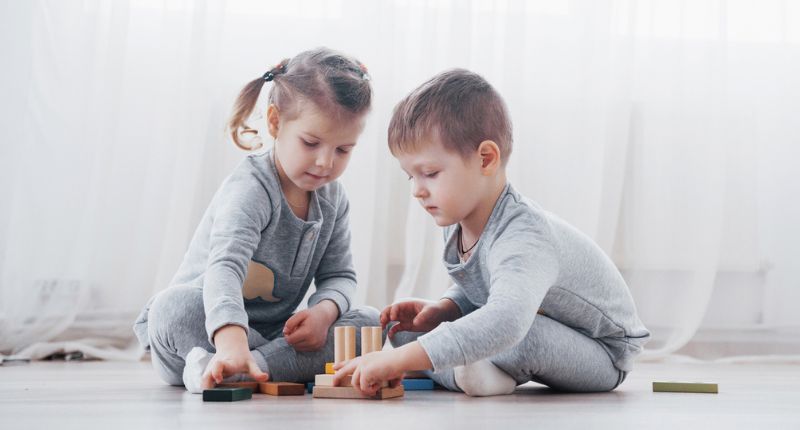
column 528, row 259
column 250, row 237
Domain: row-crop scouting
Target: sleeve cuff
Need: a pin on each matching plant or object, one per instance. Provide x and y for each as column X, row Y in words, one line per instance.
column 220, row 317
column 332, row 289
column 460, row 299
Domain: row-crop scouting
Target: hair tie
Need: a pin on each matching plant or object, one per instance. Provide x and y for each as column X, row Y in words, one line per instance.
column 279, row 68
column 364, row 71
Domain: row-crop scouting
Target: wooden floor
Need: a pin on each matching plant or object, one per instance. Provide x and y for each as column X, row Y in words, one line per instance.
column 115, row 395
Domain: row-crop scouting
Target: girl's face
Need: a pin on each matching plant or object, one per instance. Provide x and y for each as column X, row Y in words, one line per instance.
column 312, row 149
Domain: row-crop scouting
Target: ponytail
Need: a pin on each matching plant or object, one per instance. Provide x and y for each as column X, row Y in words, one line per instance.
column 246, row 101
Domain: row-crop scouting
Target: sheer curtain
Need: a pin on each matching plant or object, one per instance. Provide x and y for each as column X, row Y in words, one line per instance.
column 662, row 129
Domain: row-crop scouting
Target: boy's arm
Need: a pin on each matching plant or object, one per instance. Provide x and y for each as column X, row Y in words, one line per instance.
column 523, row 266
column 335, row 278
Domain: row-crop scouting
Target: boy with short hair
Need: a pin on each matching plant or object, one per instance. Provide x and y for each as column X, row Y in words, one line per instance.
column 533, row 299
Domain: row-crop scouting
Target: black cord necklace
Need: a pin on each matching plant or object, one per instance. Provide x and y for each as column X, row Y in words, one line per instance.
column 461, row 243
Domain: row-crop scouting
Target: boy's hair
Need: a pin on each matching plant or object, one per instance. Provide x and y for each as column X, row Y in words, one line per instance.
column 335, row 83
column 458, row 107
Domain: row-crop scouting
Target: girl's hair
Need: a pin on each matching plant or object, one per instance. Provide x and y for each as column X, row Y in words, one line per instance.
column 334, row 82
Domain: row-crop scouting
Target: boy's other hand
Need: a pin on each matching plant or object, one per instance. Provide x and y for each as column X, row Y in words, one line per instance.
column 418, row 315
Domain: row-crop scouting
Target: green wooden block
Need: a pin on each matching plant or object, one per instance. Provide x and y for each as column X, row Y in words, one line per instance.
column 685, row 387
column 227, row 394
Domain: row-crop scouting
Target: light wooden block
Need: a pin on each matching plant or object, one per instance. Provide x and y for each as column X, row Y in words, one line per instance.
column 282, row 388
column 349, row 342
column 327, row 381
column 685, row 387
column 366, row 340
column 329, row 369
column 352, row 393
column 338, row 344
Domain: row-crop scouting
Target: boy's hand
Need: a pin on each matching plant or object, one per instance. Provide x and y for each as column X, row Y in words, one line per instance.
column 418, row 315
column 232, row 357
column 307, row 330
column 369, row 372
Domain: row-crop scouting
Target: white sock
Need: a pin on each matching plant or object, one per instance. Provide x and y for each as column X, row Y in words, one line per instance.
column 196, row 363
column 483, row 378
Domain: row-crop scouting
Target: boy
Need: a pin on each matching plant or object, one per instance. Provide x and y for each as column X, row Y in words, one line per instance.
column 533, row 298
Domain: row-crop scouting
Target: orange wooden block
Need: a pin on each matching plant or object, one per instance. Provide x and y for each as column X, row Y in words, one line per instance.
column 352, row 393
column 282, row 388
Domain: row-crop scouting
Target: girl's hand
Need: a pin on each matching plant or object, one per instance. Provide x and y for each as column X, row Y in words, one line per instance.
column 233, row 357
column 418, row 315
column 307, row 330
column 370, row 371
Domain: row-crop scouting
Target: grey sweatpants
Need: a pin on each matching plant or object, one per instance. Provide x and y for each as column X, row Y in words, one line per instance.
column 551, row 354
column 175, row 323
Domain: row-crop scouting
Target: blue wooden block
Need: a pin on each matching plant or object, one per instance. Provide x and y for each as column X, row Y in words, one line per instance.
column 418, row 384
column 310, row 387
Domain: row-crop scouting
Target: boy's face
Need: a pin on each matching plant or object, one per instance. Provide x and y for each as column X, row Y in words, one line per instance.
column 314, row 149
column 448, row 186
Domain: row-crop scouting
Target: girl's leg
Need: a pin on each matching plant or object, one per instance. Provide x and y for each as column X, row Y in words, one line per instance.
column 560, row 357
column 283, row 363
column 175, row 325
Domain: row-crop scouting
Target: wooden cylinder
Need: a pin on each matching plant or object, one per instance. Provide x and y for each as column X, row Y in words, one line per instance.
column 349, row 342
column 377, row 339
column 338, row 344
column 366, row 340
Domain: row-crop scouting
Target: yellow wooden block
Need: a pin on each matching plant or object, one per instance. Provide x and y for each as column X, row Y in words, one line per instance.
column 329, row 369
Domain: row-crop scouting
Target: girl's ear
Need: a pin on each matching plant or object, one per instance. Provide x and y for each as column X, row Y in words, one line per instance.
column 490, row 157
column 273, row 120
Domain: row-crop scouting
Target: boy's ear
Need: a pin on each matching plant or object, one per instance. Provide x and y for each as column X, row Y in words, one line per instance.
column 273, row 120
column 490, row 157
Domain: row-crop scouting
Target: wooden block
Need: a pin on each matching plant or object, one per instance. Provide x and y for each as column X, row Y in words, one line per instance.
column 349, row 342
column 366, row 340
column 327, row 381
column 338, row 345
column 251, row 385
column 685, row 387
column 310, row 387
column 282, row 388
column 352, row 393
column 419, row 384
column 377, row 339
column 329, row 369
column 227, row 394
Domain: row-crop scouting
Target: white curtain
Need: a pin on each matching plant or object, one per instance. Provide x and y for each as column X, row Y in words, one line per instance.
column 663, row 129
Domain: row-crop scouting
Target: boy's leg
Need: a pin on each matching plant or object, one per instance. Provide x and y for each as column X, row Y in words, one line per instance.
column 561, row 358
column 283, row 363
column 444, row 378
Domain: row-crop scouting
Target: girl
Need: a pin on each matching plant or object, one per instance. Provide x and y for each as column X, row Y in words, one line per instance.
column 279, row 221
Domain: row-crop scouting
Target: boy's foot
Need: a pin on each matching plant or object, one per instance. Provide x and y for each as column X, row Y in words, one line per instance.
column 483, row 378
column 196, row 363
